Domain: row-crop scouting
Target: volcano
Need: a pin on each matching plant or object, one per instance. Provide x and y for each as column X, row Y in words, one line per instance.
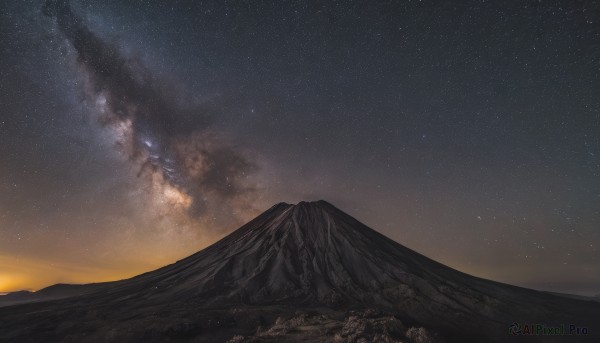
column 304, row 273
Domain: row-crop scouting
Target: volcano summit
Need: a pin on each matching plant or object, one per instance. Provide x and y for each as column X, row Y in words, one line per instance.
column 306, row 272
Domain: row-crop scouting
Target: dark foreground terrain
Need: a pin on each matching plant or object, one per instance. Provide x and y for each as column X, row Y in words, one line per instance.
column 297, row 273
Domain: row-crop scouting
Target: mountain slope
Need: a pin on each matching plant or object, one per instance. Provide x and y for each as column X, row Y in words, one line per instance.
column 314, row 256
column 57, row 291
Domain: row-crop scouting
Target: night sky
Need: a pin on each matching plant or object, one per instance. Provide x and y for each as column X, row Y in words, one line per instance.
column 134, row 133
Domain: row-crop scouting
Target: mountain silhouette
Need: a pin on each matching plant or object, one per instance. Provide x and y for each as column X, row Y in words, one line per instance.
column 304, row 272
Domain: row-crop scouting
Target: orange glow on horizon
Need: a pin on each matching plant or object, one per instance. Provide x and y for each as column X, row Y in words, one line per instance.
column 33, row 275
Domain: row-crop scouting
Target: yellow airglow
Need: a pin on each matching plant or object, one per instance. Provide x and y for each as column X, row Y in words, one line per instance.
column 31, row 274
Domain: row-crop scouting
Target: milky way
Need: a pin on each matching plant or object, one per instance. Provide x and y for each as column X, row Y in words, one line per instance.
column 173, row 144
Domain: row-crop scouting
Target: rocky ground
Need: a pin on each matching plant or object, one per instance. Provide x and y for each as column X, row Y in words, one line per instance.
column 353, row 327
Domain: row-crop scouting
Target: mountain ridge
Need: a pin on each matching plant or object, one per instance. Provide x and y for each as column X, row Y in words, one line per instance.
column 312, row 255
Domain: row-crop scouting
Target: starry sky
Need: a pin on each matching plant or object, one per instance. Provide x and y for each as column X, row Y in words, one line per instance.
column 134, row 133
